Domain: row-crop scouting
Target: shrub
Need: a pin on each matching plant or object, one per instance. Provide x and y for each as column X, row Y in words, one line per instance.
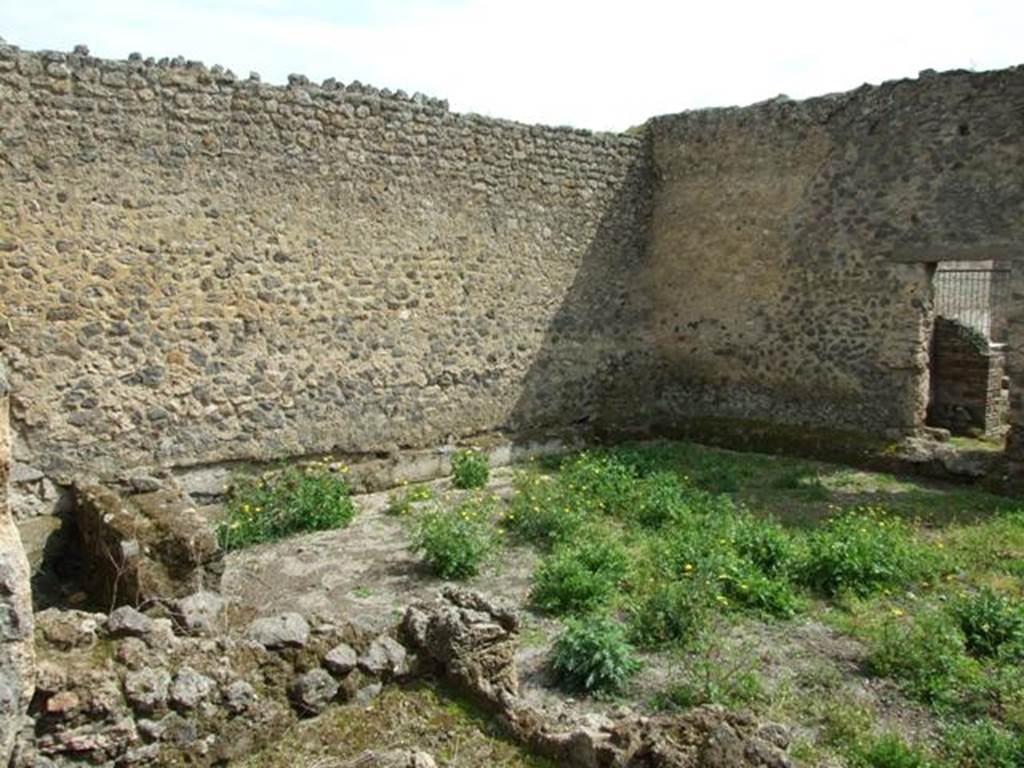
column 657, row 499
column 669, row 612
column 766, row 544
column 593, row 656
column 863, row 551
column 470, row 469
column 580, row 577
column 926, row 655
column 983, row 744
column 597, row 483
column 401, row 502
column 749, row 588
column 455, row 542
column 989, row 622
column 889, row 751
column 292, row 501
column 731, row 558
column 543, row 513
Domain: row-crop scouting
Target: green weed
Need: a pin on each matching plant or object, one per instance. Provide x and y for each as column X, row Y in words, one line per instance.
column 470, row 469
column 593, row 656
column 455, row 542
column 275, row 505
column 542, row 512
column 889, row 751
column 582, row 576
column 713, row 675
column 990, row 622
column 403, row 501
column 983, row 744
column 863, row 551
column 925, row 654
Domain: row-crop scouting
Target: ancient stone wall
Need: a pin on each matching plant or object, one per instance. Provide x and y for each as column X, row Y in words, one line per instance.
column 200, row 268
column 1015, row 368
column 793, row 245
column 16, row 648
column 967, row 395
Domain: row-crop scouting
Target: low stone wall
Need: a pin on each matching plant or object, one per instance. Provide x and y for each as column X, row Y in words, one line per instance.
column 16, row 647
column 129, row 689
column 967, row 395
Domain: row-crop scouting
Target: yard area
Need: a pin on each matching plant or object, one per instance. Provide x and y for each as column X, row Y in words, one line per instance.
column 880, row 618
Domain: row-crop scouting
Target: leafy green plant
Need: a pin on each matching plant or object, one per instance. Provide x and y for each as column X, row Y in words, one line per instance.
column 275, row 505
column 925, row 654
column 657, row 499
column 402, row 502
column 727, row 559
column 593, row 656
column 668, row 612
column 984, row 744
column 990, row 621
column 747, row 587
column 889, row 751
column 766, row 544
column 455, row 542
column 863, row 551
column 844, row 722
column 582, row 576
column 598, row 483
column 470, row 469
column 543, row 513
column 996, row 690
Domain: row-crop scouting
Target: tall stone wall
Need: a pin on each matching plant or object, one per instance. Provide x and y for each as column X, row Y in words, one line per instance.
column 793, row 245
column 199, row 268
column 16, row 647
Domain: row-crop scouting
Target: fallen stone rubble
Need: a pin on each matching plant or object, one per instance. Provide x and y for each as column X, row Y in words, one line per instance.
column 130, row 689
column 126, row 689
column 471, row 643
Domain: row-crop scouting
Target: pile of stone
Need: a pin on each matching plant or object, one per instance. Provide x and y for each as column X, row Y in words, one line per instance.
column 127, row 688
column 177, row 687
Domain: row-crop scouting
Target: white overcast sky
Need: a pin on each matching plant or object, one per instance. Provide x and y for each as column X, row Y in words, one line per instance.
column 600, row 65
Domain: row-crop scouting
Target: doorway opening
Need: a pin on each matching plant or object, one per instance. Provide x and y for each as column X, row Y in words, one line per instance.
column 969, row 388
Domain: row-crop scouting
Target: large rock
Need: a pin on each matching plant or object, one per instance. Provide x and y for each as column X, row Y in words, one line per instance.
column 200, row 613
column 16, row 647
column 147, row 689
column 286, row 630
column 341, row 659
column 313, row 691
column 146, row 547
column 190, row 688
column 128, row 622
column 472, row 642
column 385, row 658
